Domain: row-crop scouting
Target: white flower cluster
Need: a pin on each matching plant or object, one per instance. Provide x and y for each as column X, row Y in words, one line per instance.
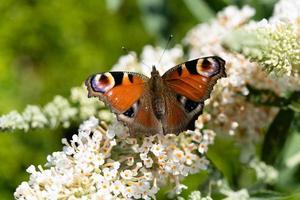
column 195, row 195
column 227, row 109
column 97, row 164
column 154, row 56
column 206, row 39
column 264, row 172
column 231, row 194
column 287, row 11
column 88, row 106
column 273, row 43
column 59, row 112
column 128, row 63
column 150, row 56
column 240, row 194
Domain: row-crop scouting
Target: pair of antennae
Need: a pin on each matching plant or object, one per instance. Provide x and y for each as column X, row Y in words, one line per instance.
column 167, row 44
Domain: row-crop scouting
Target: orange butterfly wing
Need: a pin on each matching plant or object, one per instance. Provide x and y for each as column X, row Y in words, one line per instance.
column 195, row 79
column 120, row 90
column 145, row 121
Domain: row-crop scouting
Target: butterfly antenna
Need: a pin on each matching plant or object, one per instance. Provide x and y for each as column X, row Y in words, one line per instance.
column 130, row 53
column 168, row 42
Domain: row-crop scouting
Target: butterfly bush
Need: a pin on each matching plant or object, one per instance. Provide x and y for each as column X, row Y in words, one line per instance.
column 103, row 162
column 228, row 108
column 273, row 43
column 100, row 163
column 59, row 112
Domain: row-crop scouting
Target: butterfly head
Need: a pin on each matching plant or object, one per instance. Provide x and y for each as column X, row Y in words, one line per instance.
column 154, row 71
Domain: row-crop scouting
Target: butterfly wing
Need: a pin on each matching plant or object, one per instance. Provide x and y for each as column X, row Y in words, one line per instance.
column 145, row 121
column 190, row 84
column 119, row 90
column 195, row 79
column 127, row 95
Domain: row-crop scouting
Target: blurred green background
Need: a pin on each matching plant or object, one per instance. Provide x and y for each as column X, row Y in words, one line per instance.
column 47, row 47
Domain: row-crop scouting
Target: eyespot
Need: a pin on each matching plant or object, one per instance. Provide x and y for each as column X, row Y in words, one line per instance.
column 102, row 82
column 208, row 67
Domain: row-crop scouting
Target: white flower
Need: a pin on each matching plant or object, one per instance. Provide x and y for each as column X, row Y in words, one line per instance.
column 86, row 166
column 127, row 63
column 117, row 187
column 196, row 195
column 190, row 158
column 126, row 174
column 157, row 149
column 88, row 125
column 286, row 11
column 152, row 55
column 179, row 188
column 87, row 106
column 232, row 17
column 13, row 120
column 202, row 148
column 148, row 162
column 178, row 156
column 265, row 173
column 233, row 195
column 34, row 117
column 59, row 111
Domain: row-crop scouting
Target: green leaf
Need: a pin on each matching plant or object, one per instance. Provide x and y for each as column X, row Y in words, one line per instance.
column 200, row 9
column 224, row 155
column 295, row 102
column 264, row 194
column 155, row 17
column 277, row 135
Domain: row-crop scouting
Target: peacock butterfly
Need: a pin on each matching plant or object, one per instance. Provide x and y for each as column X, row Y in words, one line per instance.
column 160, row 104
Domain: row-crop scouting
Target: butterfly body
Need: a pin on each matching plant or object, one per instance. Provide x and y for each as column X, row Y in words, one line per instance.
column 157, row 91
column 159, row 104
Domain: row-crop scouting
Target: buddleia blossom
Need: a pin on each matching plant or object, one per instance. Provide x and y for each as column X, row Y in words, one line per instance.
column 195, row 195
column 88, row 106
column 286, row 11
column 59, row 112
column 108, row 164
column 273, row 43
column 264, row 172
column 231, row 194
column 228, row 110
column 223, row 187
column 160, row 58
column 276, row 47
column 128, row 62
column 281, row 52
column 150, row 56
column 205, row 39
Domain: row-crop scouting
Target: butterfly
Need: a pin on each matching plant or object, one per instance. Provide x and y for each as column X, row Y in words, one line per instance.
column 167, row 104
